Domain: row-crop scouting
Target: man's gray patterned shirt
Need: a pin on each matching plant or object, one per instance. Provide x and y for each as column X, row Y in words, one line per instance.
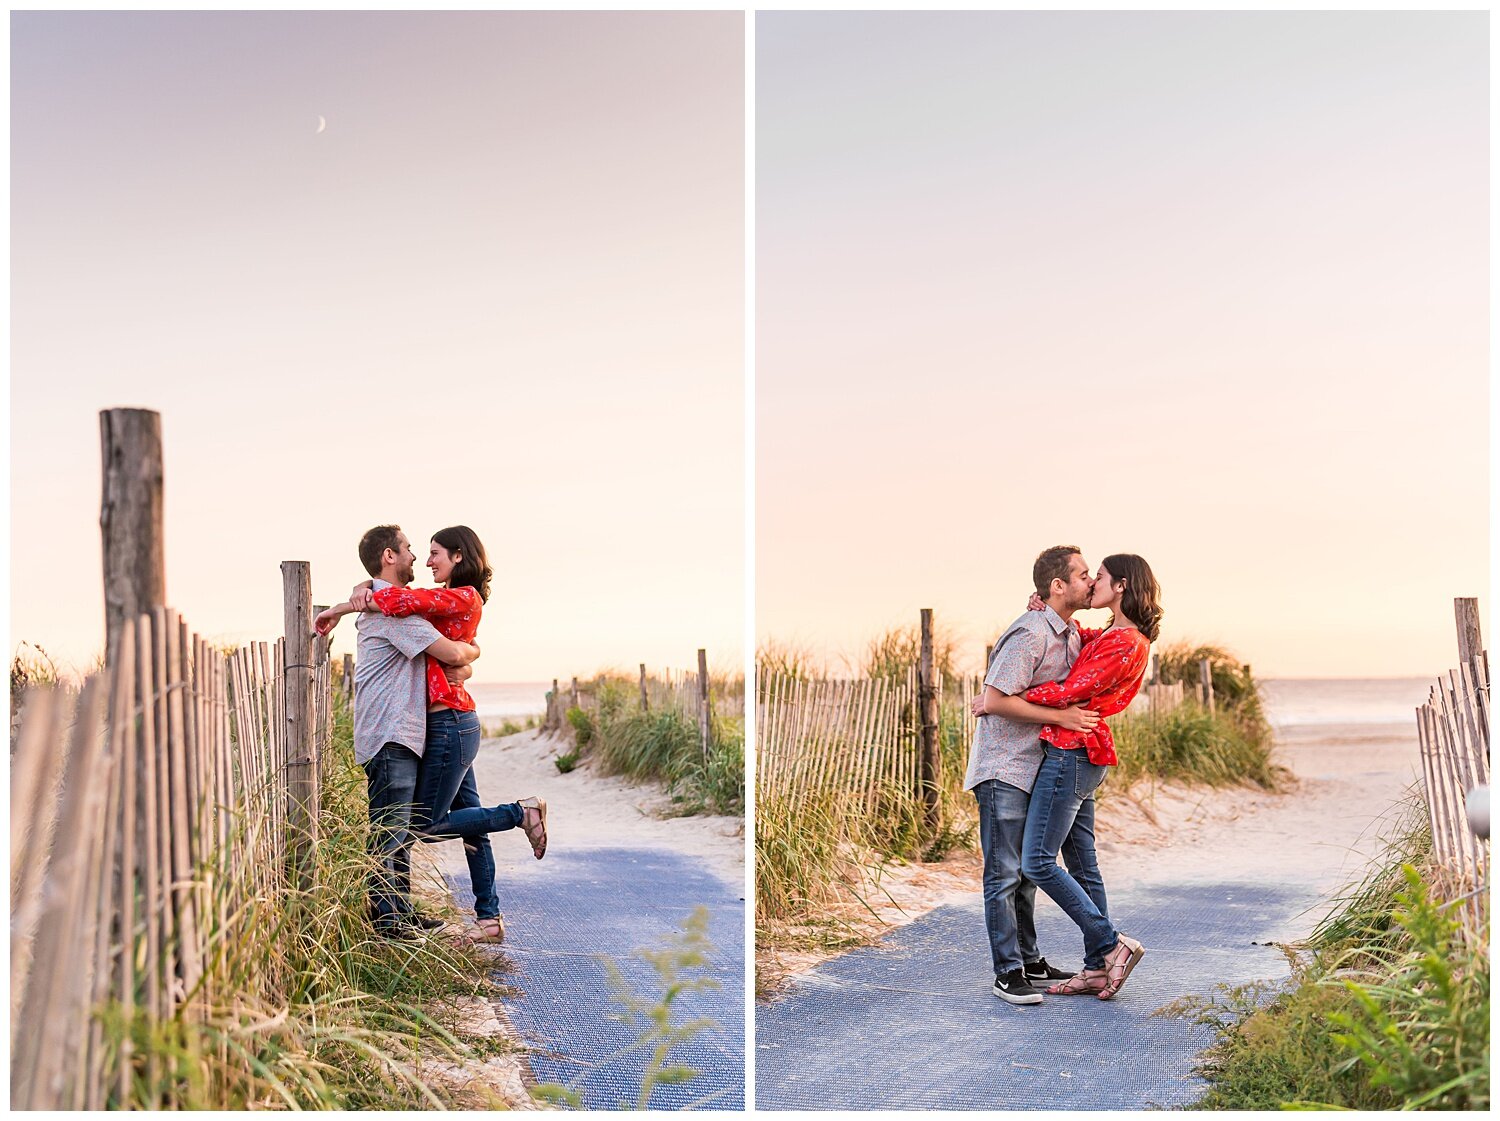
column 1038, row 647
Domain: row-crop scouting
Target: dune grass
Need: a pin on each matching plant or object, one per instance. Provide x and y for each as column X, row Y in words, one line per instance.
column 302, row 1005
column 664, row 745
column 1387, row 1006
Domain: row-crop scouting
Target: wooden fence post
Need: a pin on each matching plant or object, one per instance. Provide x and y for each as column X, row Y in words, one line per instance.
column 1470, row 642
column 703, row 723
column 928, row 709
column 130, row 518
column 302, row 790
column 575, row 694
column 1155, row 668
column 1206, row 683
column 349, row 676
column 554, row 708
column 645, row 705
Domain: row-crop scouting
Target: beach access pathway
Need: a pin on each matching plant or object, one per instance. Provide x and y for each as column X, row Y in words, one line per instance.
column 617, row 878
column 1210, row 888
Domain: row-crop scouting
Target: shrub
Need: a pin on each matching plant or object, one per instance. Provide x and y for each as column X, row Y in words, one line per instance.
column 1387, row 1007
column 583, row 726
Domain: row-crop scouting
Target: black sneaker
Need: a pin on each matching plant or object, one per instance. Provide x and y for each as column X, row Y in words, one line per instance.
column 1012, row 988
column 1040, row 971
column 427, row 922
column 399, row 928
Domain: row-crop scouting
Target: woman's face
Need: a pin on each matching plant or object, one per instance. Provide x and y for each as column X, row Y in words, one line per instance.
column 1106, row 591
column 441, row 562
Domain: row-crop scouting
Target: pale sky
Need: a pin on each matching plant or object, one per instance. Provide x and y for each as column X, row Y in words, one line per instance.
column 503, row 287
column 1206, row 287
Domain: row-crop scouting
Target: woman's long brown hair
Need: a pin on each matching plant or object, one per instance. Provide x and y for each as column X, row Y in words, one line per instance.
column 1138, row 602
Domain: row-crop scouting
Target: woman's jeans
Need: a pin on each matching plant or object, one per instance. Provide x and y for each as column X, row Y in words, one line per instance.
column 1061, row 818
column 447, row 801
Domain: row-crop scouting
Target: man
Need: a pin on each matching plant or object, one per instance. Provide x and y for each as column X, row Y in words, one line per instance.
column 1004, row 758
column 390, row 721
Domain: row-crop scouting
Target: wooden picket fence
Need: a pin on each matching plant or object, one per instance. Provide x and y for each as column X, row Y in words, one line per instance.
column 1453, row 728
column 853, row 738
column 152, row 811
column 858, row 736
column 676, row 689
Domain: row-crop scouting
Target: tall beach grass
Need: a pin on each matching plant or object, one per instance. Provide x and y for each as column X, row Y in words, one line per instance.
column 302, row 1006
column 1387, row 1006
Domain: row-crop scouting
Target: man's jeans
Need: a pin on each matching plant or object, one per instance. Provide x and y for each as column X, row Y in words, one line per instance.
column 1061, row 818
column 391, row 778
column 448, row 801
column 1009, row 899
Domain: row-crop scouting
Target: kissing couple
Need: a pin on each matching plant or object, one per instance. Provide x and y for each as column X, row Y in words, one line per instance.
column 1041, row 748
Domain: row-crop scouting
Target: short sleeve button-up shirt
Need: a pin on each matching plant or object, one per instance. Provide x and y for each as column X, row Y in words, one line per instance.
column 1038, row 647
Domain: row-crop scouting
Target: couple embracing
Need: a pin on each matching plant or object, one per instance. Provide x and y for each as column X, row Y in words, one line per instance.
column 416, row 731
column 1040, row 750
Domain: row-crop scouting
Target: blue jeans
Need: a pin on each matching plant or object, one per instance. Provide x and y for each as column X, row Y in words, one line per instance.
column 448, row 803
column 391, row 780
column 1009, row 898
column 1061, row 818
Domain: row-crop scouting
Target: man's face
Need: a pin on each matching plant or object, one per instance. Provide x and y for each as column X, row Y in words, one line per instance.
column 1080, row 588
column 404, row 559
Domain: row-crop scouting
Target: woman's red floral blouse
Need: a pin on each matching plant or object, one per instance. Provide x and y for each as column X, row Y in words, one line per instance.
column 455, row 613
column 1107, row 676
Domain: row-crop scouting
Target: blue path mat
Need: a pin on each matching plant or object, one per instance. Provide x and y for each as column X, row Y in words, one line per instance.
column 564, row 912
column 912, row 1024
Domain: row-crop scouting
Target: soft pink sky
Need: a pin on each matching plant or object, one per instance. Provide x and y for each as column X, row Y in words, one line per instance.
column 1207, row 287
column 504, row 287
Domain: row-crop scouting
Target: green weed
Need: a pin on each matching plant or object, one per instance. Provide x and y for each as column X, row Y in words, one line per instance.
column 652, row 1016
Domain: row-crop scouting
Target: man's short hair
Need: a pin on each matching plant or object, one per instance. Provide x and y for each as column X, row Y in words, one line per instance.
column 1052, row 565
column 374, row 543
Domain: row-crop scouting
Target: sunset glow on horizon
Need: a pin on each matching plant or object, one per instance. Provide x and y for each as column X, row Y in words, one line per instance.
column 1209, row 287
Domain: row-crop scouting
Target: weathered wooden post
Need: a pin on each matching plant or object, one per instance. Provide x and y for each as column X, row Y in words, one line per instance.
column 302, row 789
column 349, row 676
column 575, row 694
column 703, row 722
column 988, row 653
column 554, row 707
column 1206, row 683
column 928, row 709
column 645, row 704
column 130, row 518
column 1155, row 668
column 1470, row 642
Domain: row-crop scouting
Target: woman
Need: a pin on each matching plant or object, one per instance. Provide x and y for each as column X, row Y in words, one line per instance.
column 447, row 797
column 1104, row 680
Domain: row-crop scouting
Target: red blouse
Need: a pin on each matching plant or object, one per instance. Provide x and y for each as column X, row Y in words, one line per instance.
column 1107, row 676
column 455, row 613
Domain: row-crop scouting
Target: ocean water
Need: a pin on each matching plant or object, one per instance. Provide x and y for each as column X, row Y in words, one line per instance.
column 1313, row 702
column 509, row 700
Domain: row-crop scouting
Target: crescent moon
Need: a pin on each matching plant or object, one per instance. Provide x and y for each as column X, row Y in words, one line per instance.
column 322, row 123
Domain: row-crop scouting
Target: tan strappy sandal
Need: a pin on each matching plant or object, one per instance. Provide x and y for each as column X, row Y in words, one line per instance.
column 535, row 828
column 1086, row 982
column 1119, row 962
column 491, row 931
